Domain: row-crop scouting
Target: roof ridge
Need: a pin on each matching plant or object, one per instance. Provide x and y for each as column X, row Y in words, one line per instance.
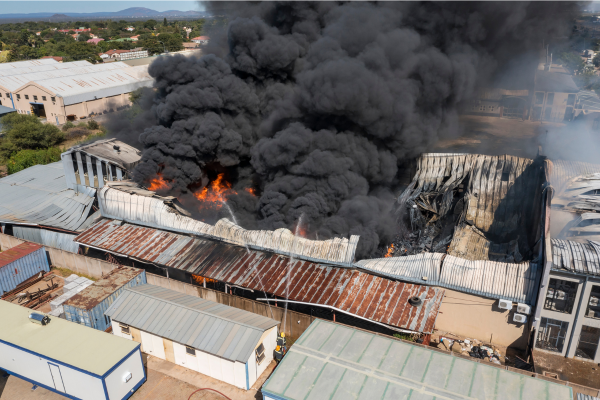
column 200, row 311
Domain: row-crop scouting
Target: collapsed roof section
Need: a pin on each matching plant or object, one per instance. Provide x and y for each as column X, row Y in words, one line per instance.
column 126, row 201
column 571, row 256
column 483, row 207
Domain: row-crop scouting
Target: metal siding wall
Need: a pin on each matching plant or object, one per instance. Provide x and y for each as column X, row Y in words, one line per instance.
column 96, row 314
column 59, row 240
column 25, row 268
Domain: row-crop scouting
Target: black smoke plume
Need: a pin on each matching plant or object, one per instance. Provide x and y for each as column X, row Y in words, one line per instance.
column 315, row 106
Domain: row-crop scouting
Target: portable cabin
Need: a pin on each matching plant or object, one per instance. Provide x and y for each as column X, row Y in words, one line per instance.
column 70, row 359
column 21, row 263
column 229, row 344
column 333, row 361
column 88, row 306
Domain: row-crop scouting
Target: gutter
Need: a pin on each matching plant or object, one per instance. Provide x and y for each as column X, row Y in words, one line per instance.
column 347, row 313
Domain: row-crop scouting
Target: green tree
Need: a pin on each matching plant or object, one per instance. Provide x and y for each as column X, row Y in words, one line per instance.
column 82, row 51
column 150, row 24
column 28, row 158
column 572, row 61
column 27, row 132
column 165, row 21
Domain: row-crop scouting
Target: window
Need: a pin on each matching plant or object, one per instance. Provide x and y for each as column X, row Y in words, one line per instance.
column 26, row 97
column 124, row 329
column 43, row 98
column 107, row 319
column 18, row 97
column 35, row 98
column 53, row 99
column 551, row 335
column 571, row 100
column 260, row 354
column 560, row 296
column 550, row 99
column 593, row 309
column 190, row 351
column 588, row 342
column 539, row 98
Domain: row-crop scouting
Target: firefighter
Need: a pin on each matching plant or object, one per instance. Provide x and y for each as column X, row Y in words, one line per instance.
column 278, row 354
column 281, row 342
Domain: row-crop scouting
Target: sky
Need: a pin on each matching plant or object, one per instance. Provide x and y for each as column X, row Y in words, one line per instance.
column 88, row 6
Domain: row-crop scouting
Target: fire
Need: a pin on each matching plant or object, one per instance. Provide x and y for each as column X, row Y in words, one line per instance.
column 159, row 183
column 200, row 279
column 252, row 191
column 215, row 194
column 390, row 251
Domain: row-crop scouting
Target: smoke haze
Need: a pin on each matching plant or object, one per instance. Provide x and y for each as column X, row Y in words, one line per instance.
column 315, row 106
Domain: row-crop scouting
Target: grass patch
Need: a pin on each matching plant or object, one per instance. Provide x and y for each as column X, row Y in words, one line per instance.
column 66, row 272
column 91, row 138
column 405, row 336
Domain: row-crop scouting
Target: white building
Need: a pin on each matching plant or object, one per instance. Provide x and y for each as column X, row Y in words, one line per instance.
column 70, row 359
column 226, row 343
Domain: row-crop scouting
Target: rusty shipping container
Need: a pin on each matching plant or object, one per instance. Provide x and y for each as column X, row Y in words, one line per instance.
column 21, row 263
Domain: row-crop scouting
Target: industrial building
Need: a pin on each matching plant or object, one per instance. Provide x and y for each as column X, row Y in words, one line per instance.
column 88, row 306
column 81, row 96
column 21, row 263
column 568, row 314
column 66, row 358
column 332, row 361
column 95, row 164
column 225, row 343
column 10, row 83
column 554, row 94
column 46, row 205
column 18, row 65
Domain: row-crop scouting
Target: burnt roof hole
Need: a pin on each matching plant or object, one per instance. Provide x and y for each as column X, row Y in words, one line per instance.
column 415, row 301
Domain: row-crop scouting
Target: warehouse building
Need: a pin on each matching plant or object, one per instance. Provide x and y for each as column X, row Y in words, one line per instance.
column 10, row 83
column 225, row 343
column 81, row 96
column 69, row 359
column 331, row 361
column 18, row 65
column 95, row 164
column 21, row 263
column 88, row 306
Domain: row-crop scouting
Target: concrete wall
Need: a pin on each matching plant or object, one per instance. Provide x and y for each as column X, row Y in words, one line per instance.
column 480, row 318
column 53, row 109
column 558, row 106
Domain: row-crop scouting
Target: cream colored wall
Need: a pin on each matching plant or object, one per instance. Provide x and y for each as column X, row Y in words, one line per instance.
column 53, row 109
column 479, row 318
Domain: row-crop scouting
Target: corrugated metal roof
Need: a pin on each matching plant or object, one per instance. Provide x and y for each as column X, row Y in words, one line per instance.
column 94, row 294
column 78, row 88
column 39, row 196
column 127, row 156
column 214, row 328
column 350, row 291
column 6, row 110
column 562, row 172
column 13, row 82
column 331, row 361
column 14, row 253
column 17, row 65
column 582, row 258
column 581, row 396
column 59, row 240
column 117, row 202
column 515, row 282
column 73, row 344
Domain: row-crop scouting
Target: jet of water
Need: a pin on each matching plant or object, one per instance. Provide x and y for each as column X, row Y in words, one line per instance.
column 287, row 275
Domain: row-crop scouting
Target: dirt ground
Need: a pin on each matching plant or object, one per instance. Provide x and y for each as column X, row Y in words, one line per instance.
column 496, row 136
column 568, row 369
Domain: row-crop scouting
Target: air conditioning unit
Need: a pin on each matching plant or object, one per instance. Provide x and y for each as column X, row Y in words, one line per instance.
column 520, row 318
column 505, row 304
column 523, row 309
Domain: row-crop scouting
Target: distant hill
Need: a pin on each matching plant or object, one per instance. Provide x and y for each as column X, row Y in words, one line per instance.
column 129, row 13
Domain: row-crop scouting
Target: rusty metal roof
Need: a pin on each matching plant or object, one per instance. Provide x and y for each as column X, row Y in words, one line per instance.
column 8, row 256
column 363, row 295
column 94, row 294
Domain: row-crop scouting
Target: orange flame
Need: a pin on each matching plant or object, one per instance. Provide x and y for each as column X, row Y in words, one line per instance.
column 390, row 251
column 159, row 183
column 200, row 279
column 252, row 191
column 214, row 194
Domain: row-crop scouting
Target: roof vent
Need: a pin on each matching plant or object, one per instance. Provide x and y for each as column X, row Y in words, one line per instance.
column 117, row 148
column 415, row 301
column 39, row 319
